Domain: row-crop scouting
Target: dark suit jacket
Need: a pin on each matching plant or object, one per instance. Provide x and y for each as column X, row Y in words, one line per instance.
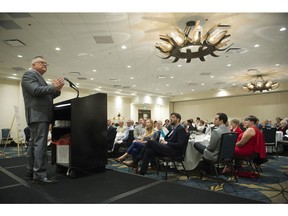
column 176, row 138
column 111, row 134
column 38, row 97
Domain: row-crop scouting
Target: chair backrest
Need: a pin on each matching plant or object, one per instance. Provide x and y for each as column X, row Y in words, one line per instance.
column 269, row 135
column 185, row 146
column 227, row 146
column 5, row 133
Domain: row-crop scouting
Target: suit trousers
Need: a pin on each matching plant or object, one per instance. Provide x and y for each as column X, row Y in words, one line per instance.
column 152, row 149
column 37, row 149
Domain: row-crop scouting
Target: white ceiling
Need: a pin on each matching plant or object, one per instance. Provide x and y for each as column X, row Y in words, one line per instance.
column 74, row 34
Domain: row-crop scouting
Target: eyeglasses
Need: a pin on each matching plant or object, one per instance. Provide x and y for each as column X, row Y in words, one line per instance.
column 43, row 63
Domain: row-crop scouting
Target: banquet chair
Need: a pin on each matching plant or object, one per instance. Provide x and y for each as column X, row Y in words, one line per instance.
column 175, row 160
column 270, row 138
column 5, row 136
column 226, row 154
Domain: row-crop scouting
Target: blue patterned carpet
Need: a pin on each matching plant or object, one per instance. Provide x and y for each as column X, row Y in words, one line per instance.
column 270, row 187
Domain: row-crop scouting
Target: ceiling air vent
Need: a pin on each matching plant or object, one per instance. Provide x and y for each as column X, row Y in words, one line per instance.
column 75, row 73
column 81, row 78
column 117, row 86
column 103, row 39
column 15, row 43
column 18, row 68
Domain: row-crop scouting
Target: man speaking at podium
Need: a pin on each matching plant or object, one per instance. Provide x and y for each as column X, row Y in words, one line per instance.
column 38, row 99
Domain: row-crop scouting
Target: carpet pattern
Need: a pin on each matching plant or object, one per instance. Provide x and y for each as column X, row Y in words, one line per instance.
column 270, row 187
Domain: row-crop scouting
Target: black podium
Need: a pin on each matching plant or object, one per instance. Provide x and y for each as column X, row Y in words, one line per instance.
column 84, row 120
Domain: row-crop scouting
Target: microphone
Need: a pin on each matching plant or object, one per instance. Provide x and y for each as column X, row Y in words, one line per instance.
column 72, row 86
column 70, row 83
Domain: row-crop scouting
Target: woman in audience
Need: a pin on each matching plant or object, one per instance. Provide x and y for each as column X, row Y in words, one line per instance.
column 246, row 141
column 245, row 145
column 138, row 145
column 283, row 126
column 234, row 126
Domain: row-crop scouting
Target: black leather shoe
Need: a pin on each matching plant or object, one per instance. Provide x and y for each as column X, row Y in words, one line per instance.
column 29, row 176
column 44, row 181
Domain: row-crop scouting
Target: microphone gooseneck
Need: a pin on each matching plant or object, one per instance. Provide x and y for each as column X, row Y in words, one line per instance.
column 72, row 85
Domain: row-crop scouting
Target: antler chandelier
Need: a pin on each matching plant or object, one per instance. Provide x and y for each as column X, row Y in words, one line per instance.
column 191, row 44
column 259, row 84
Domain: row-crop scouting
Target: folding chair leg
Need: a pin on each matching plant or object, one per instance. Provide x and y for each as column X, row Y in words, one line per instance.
column 215, row 168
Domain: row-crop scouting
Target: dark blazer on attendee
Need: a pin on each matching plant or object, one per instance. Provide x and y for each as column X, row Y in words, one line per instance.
column 111, row 134
column 176, row 139
column 38, row 97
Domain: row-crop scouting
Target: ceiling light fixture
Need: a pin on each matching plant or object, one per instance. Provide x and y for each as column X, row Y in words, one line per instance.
column 192, row 44
column 259, row 84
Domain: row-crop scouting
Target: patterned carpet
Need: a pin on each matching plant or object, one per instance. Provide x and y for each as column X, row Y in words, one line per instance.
column 270, row 187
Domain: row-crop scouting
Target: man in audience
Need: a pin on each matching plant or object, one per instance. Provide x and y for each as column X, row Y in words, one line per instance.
column 111, row 134
column 123, row 137
column 211, row 152
column 140, row 129
column 172, row 145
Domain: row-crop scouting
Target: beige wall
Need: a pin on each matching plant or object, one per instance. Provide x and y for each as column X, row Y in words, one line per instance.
column 264, row 106
column 11, row 95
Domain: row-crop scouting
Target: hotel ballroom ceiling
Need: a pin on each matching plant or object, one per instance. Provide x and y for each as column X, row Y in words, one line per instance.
column 115, row 52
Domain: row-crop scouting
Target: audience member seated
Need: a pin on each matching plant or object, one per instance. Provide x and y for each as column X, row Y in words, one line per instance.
column 172, row 146
column 250, row 141
column 235, row 126
column 111, row 134
column 140, row 129
column 277, row 123
column 284, row 128
column 167, row 124
column 122, row 136
column 138, row 145
column 200, row 126
column 211, row 151
column 190, row 126
column 160, row 131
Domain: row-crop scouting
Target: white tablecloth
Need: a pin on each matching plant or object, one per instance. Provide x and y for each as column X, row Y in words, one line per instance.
column 193, row 157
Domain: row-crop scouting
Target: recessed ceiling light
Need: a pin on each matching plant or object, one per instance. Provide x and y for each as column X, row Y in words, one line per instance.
column 12, row 77
column 134, row 85
column 167, row 84
column 19, row 56
column 181, row 93
column 179, row 65
column 57, row 48
column 172, row 77
column 211, row 76
column 228, row 65
column 202, row 84
column 233, row 84
column 161, row 77
column 129, row 66
column 193, row 90
column 283, row 29
column 94, row 70
column 256, row 45
column 14, row 74
column 277, row 65
column 91, row 78
column 132, row 78
column 123, row 47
